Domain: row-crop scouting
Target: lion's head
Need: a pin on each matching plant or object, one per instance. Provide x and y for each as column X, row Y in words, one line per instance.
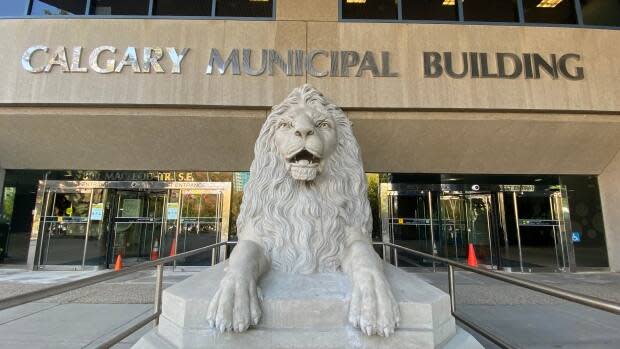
column 305, row 137
column 307, row 188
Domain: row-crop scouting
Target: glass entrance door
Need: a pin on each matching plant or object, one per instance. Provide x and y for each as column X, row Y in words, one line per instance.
column 200, row 224
column 510, row 227
column 540, row 230
column 79, row 224
column 466, row 219
column 410, row 223
column 71, row 232
column 138, row 224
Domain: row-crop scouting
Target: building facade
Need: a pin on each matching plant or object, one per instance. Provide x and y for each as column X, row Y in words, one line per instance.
column 127, row 127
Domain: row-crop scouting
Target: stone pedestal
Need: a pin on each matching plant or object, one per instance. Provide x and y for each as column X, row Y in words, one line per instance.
column 306, row 312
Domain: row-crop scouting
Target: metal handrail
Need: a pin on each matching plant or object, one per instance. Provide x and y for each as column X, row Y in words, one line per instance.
column 73, row 285
column 589, row 301
column 77, row 284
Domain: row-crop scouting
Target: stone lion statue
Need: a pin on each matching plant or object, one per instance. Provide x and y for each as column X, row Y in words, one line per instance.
column 305, row 210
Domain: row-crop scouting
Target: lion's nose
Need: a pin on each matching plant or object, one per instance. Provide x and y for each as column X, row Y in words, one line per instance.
column 304, row 132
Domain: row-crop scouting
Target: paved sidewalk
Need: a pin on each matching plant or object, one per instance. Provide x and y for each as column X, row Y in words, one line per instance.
column 79, row 319
column 71, row 325
column 528, row 319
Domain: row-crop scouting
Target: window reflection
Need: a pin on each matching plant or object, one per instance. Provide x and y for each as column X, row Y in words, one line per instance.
column 492, row 11
column 443, row 10
column 13, row 7
column 370, row 9
column 549, row 11
column 120, row 8
column 601, row 12
column 244, row 8
column 58, row 7
column 182, row 8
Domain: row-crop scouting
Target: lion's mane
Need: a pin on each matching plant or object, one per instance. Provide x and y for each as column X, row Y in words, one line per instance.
column 303, row 225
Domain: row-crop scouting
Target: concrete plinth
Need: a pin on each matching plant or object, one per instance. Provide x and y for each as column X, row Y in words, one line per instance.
column 306, row 312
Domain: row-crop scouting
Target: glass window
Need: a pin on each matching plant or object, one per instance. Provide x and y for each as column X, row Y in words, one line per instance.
column 491, row 11
column 58, row 7
column 549, row 11
column 440, row 10
column 244, row 8
column 369, row 9
column 13, row 7
column 120, row 8
column 182, row 8
column 7, row 204
column 601, row 12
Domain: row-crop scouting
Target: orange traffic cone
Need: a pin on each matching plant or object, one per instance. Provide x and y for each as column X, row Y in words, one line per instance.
column 119, row 263
column 173, row 247
column 471, row 256
column 155, row 251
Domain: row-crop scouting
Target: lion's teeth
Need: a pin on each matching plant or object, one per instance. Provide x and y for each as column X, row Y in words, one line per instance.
column 303, row 162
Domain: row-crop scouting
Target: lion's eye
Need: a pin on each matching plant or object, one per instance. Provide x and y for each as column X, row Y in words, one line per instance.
column 283, row 124
column 323, row 124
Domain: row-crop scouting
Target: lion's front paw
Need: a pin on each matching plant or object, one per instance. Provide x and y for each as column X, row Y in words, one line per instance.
column 235, row 306
column 373, row 308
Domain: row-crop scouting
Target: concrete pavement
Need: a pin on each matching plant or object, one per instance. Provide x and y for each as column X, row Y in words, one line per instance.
column 528, row 319
column 70, row 325
column 83, row 317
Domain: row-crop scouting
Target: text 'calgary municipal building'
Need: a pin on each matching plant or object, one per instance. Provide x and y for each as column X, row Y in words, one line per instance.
column 127, row 127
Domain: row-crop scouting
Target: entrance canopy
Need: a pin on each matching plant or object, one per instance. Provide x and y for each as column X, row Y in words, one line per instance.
column 121, row 138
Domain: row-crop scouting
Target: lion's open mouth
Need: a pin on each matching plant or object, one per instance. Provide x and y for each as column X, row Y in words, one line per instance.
column 305, row 158
column 304, row 165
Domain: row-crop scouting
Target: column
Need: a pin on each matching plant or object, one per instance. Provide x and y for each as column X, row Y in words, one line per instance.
column 609, row 184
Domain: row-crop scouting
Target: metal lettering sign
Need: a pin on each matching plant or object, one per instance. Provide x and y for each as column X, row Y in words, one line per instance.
column 517, row 187
column 297, row 62
column 502, row 65
column 245, row 61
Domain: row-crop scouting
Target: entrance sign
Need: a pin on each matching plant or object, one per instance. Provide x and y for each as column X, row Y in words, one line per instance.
column 96, row 213
column 172, row 211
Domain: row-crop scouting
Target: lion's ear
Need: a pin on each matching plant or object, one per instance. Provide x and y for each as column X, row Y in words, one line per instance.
column 350, row 123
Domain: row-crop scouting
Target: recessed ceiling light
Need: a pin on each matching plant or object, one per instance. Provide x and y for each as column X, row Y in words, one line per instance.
column 549, row 3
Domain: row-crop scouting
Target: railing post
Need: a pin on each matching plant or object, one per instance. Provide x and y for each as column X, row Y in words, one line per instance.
column 451, row 288
column 158, row 290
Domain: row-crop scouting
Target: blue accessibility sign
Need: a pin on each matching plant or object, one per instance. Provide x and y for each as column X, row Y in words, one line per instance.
column 576, row 236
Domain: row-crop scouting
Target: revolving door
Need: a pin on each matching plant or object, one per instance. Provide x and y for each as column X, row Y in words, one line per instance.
column 87, row 224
